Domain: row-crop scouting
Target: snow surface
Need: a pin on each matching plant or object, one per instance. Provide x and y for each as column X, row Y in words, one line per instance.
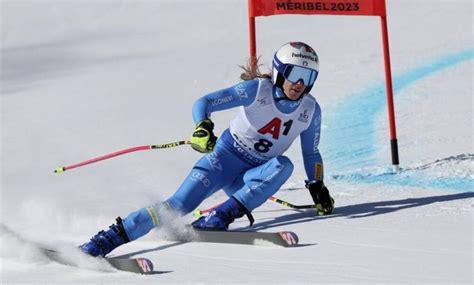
column 84, row 78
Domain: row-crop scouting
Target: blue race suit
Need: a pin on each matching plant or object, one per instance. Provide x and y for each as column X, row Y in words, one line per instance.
column 248, row 179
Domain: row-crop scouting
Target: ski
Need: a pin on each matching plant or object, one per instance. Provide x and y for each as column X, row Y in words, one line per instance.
column 135, row 265
column 282, row 238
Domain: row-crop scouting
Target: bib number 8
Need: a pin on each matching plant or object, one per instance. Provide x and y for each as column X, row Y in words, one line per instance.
column 263, row 145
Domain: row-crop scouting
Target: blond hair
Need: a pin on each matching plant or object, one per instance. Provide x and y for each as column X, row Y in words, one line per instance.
column 251, row 73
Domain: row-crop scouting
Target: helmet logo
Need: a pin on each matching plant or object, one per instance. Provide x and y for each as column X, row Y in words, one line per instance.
column 305, row 63
column 310, row 57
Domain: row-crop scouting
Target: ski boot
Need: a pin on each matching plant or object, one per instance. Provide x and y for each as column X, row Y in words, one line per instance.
column 106, row 241
column 220, row 217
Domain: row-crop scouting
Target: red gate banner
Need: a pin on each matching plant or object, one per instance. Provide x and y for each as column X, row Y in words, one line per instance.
column 310, row 7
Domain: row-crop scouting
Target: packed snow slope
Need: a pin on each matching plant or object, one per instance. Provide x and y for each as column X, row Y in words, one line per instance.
column 80, row 79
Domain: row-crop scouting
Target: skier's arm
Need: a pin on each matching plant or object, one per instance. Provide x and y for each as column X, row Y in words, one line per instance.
column 241, row 94
column 313, row 162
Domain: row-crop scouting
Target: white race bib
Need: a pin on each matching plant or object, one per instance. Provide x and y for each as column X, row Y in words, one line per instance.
column 264, row 131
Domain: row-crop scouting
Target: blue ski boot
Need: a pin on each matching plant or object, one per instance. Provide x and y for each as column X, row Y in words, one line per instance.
column 220, row 217
column 106, row 241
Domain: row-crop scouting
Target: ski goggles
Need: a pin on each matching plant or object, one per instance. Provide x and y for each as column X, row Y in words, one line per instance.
column 295, row 73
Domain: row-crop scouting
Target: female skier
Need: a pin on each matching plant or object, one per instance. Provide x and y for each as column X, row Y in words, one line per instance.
column 247, row 161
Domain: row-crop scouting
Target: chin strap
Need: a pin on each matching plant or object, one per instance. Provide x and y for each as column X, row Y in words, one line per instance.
column 278, row 99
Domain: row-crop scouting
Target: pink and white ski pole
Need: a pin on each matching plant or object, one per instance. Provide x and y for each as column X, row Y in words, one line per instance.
column 61, row 169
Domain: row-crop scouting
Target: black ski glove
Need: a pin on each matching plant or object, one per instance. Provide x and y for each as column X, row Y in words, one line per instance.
column 320, row 194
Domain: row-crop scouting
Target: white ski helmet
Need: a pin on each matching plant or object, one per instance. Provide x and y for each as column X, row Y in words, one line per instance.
column 295, row 61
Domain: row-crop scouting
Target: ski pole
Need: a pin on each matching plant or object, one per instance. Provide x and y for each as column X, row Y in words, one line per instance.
column 61, row 169
column 284, row 203
column 198, row 212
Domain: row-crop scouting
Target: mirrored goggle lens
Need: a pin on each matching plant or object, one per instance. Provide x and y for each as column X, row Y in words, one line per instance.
column 296, row 73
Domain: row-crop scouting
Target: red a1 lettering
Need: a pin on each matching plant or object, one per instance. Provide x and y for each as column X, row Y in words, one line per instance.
column 273, row 128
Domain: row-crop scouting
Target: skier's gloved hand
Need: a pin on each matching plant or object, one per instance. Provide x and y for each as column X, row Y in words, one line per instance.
column 320, row 194
column 203, row 138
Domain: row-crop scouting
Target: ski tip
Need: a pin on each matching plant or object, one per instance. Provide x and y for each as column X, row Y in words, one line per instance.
column 145, row 265
column 290, row 238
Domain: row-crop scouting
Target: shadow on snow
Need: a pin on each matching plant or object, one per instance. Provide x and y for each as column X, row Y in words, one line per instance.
column 360, row 210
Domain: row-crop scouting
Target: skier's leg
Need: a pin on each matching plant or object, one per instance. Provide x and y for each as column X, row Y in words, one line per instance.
column 233, row 187
column 210, row 173
column 264, row 181
column 202, row 181
column 213, row 172
column 256, row 186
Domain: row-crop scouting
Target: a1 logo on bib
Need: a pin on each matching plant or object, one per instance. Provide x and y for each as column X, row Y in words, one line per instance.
column 274, row 126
